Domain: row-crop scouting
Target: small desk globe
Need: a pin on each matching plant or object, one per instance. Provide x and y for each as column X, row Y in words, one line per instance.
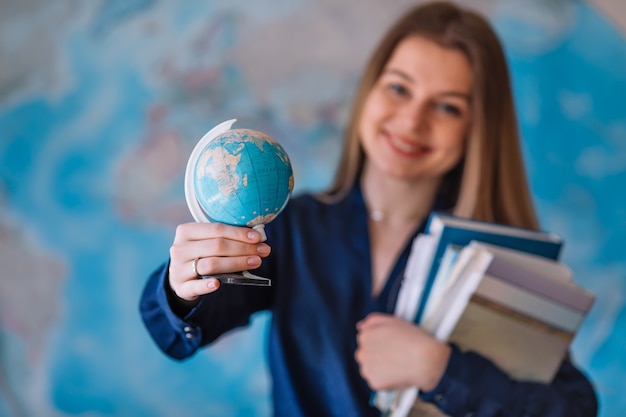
column 240, row 177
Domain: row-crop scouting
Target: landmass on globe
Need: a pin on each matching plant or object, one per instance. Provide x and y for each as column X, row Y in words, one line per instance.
column 243, row 177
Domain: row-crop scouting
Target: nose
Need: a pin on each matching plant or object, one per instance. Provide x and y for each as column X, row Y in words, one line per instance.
column 415, row 117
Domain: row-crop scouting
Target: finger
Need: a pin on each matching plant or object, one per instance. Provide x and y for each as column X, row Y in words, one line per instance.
column 226, row 247
column 182, row 255
column 221, row 264
column 192, row 289
column 372, row 320
column 200, row 231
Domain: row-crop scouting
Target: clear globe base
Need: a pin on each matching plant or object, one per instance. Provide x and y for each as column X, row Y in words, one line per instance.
column 241, row 278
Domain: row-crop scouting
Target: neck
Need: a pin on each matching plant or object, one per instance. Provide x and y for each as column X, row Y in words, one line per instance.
column 397, row 202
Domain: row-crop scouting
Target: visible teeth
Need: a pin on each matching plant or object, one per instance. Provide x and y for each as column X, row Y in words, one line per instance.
column 407, row 147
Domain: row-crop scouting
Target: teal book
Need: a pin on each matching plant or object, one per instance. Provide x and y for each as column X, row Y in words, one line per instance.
column 448, row 230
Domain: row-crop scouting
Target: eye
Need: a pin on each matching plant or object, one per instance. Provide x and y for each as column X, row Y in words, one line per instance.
column 398, row 89
column 448, row 108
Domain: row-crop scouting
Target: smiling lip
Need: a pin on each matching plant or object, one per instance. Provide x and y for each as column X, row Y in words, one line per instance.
column 405, row 147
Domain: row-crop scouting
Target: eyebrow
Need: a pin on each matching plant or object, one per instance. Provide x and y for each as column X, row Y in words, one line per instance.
column 406, row 77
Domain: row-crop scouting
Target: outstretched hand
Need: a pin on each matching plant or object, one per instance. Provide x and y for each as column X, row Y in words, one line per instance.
column 393, row 354
column 209, row 249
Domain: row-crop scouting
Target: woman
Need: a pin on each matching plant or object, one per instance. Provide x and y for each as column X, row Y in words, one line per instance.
column 432, row 128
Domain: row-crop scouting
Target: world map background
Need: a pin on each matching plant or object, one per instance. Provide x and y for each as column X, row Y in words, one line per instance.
column 101, row 104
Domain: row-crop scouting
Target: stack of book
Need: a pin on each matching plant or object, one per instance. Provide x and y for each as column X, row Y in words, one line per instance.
column 494, row 289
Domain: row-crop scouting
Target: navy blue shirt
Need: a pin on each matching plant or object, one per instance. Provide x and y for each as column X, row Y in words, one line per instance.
column 320, row 268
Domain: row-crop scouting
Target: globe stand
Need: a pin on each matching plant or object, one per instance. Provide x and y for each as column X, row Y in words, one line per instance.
column 241, row 278
column 235, row 278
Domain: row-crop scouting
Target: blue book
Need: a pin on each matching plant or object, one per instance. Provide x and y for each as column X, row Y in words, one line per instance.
column 451, row 230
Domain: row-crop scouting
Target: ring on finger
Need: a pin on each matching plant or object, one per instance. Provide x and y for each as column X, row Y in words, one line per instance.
column 194, row 267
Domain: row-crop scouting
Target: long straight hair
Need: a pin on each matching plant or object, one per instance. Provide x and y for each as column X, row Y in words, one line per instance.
column 490, row 181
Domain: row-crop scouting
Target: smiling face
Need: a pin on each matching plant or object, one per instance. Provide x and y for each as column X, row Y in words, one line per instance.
column 415, row 118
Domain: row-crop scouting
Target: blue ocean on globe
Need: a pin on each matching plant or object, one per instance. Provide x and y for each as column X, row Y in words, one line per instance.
column 243, row 177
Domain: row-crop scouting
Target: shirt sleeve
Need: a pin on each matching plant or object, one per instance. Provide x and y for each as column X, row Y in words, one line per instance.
column 180, row 336
column 474, row 386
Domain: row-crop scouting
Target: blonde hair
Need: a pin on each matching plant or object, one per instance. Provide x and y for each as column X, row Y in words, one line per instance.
column 490, row 182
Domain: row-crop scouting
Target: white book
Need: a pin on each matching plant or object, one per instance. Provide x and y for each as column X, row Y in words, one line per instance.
column 422, row 250
column 448, row 260
column 462, row 283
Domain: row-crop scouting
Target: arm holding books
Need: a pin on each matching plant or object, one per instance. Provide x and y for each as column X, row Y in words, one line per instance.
column 507, row 317
column 472, row 383
column 395, row 354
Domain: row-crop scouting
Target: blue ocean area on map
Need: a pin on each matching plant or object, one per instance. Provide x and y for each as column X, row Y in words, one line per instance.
column 101, row 105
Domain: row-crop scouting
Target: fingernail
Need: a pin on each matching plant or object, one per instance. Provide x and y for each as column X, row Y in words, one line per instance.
column 253, row 235
column 263, row 249
column 211, row 284
column 254, row 260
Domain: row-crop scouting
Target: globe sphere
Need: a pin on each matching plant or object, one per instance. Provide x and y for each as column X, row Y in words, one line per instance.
column 242, row 177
